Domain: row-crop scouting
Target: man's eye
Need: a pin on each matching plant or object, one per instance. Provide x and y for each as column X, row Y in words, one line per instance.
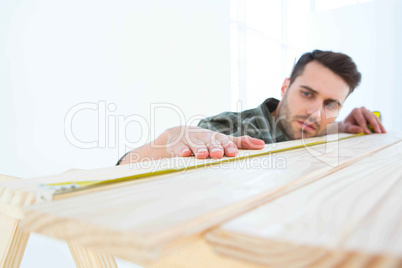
column 331, row 105
column 306, row 93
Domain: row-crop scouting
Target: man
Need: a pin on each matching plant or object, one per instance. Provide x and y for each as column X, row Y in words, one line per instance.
column 311, row 99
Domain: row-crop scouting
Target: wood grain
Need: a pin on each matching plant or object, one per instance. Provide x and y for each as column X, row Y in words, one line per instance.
column 84, row 258
column 351, row 218
column 141, row 222
column 12, row 240
column 198, row 254
column 17, row 194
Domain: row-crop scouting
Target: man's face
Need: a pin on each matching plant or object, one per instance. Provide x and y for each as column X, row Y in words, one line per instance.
column 312, row 102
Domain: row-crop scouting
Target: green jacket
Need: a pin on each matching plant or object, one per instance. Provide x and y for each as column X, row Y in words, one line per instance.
column 257, row 123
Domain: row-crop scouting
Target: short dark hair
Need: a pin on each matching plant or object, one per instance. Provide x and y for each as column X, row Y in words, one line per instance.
column 339, row 63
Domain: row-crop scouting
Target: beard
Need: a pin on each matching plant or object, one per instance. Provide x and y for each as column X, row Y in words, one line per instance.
column 286, row 118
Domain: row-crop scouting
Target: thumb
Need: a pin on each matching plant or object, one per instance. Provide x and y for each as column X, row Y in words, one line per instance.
column 247, row 142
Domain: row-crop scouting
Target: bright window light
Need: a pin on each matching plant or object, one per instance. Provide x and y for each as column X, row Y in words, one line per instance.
column 331, row 4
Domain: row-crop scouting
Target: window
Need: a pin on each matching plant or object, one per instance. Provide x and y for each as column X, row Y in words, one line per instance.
column 266, row 39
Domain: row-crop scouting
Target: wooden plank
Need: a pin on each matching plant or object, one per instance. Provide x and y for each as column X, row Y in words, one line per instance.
column 351, row 218
column 17, row 194
column 12, row 240
column 84, row 258
column 141, row 222
column 198, row 254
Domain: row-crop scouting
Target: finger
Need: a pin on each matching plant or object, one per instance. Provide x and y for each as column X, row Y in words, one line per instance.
column 361, row 121
column 179, row 149
column 230, row 149
column 199, row 149
column 247, row 142
column 372, row 119
column 197, row 146
column 215, row 149
column 186, row 152
column 351, row 128
column 354, row 129
column 382, row 128
column 214, row 144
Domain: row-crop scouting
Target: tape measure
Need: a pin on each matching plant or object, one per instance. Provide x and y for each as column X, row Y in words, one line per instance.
column 378, row 115
column 48, row 191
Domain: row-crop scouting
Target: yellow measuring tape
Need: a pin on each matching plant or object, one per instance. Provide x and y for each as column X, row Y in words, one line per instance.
column 47, row 191
column 378, row 115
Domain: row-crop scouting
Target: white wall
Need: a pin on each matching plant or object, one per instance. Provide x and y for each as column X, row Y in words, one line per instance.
column 55, row 55
column 397, row 124
column 369, row 33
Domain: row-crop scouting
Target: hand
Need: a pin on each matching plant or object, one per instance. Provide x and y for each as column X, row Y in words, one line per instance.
column 185, row 141
column 358, row 120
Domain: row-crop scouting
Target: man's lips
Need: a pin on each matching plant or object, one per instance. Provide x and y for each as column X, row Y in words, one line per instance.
column 306, row 125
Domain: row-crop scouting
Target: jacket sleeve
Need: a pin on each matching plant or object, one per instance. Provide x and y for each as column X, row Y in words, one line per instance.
column 226, row 123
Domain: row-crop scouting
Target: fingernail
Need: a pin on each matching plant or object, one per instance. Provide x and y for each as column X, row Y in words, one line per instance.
column 215, row 150
column 186, row 150
column 231, row 150
column 202, row 150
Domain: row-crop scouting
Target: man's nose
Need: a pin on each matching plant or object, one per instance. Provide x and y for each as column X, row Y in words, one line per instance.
column 314, row 112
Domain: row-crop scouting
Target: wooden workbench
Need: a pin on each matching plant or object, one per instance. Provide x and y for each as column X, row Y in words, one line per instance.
column 332, row 204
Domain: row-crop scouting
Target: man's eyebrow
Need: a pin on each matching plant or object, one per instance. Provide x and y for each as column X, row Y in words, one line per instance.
column 310, row 89
column 316, row 92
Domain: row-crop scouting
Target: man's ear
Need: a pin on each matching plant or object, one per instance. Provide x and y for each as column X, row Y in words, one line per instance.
column 285, row 87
